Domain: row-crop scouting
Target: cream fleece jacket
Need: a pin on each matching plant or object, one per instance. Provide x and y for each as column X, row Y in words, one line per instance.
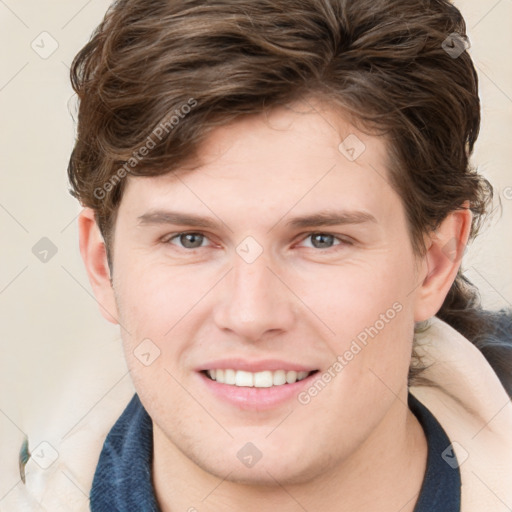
column 475, row 411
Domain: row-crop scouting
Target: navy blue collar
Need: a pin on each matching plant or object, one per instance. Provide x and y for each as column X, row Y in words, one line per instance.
column 122, row 481
column 440, row 491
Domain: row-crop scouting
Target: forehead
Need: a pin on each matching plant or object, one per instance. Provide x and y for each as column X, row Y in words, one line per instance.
column 300, row 157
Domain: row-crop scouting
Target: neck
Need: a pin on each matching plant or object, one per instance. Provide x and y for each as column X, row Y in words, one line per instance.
column 384, row 473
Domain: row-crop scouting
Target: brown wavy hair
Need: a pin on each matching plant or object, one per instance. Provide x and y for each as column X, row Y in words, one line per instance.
column 396, row 67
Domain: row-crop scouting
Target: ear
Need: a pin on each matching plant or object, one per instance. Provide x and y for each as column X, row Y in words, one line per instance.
column 446, row 247
column 94, row 254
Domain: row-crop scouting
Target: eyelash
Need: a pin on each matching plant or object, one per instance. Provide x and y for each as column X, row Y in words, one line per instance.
column 342, row 241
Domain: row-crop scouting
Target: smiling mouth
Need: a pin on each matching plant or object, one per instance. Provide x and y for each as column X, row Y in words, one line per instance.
column 264, row 379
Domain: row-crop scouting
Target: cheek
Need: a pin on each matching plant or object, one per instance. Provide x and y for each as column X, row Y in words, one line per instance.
column 352, row 297
column 158, row 311
column 153, row 297
column 369, row 311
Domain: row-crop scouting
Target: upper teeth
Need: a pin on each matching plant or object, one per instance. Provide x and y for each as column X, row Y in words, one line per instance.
column 263, row 379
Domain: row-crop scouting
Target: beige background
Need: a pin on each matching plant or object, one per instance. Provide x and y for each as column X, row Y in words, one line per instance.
column 57, row 353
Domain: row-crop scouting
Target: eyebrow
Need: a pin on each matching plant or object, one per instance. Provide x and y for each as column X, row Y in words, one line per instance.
column 322, row 218
column 331, row 218
column 177, row 218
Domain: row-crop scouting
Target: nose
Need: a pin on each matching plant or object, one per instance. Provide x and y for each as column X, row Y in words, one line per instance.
column 255, row 301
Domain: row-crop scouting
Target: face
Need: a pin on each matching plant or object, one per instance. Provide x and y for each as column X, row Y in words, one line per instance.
column 281, row 257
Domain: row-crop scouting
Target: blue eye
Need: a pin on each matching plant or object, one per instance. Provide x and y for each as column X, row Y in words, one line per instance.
column 189, row 240
column 324, row 240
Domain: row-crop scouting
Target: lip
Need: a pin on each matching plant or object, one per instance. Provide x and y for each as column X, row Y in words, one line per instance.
column 254, row 366
column 252, row 398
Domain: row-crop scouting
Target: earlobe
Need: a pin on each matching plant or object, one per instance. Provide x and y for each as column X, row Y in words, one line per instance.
column 442, row 261
column 92, row 249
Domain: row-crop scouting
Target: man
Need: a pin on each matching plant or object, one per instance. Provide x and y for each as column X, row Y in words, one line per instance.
column 277, row 196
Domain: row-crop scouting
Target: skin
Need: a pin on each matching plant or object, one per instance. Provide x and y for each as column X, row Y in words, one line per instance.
column 354, row 446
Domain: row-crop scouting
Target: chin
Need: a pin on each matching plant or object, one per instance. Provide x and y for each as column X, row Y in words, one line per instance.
column 268, row 472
